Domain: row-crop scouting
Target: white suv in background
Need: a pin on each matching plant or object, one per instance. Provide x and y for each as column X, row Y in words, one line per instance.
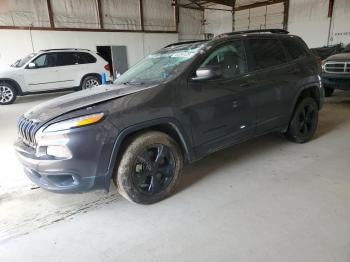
column 51, row 70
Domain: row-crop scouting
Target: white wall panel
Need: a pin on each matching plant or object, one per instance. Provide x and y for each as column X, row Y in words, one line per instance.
column 340, row 31
column 158, row 15
column 191, row 24
column 24, row 13
column 218, row 22
column 270, row 16
column 138, row 44
column 75, row 13
column 308, row 19
column 121, row 14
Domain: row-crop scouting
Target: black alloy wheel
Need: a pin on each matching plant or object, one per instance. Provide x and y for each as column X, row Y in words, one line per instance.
column 154, row 169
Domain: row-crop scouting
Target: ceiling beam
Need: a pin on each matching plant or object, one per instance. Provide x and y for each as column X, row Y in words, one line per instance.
column 49, row 8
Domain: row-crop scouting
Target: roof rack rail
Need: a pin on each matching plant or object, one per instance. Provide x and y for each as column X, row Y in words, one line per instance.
column 273, row 31
column 184, row 43
column 60, row 49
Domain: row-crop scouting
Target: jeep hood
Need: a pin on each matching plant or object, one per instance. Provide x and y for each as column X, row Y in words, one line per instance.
column 342, row 57
column 64, row 104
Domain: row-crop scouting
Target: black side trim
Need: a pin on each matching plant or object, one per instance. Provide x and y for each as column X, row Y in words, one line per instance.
column 50, row 91
column 51, row 82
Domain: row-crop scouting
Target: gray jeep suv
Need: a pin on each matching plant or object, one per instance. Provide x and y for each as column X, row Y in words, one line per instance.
column 176, row 106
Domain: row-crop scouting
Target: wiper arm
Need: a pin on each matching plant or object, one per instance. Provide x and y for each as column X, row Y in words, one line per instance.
column 133, row 83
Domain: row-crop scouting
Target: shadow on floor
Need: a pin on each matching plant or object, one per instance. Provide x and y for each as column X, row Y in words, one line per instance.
column 332, row 116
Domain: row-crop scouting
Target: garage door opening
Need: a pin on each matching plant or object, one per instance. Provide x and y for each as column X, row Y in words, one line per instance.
column 116, row 57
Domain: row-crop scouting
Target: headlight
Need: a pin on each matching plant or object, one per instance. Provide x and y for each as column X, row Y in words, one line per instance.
column 75, row 122
column 323, row 65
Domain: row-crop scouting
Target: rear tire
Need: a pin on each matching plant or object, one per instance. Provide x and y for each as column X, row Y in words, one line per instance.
column 328, row 91
column 304, row 122
column 8, row 93
column 90, row 81
column 149, row 168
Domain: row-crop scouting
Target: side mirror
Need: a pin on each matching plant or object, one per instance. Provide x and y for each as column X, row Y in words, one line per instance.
column 31, row 65
column 207, row 73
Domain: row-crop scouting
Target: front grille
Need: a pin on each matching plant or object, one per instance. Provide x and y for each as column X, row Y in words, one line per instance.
column 337, row 67
column 26, row 130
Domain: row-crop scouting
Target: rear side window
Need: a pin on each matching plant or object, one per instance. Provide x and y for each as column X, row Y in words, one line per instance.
column 294, row 48
column 85, row 58
column 67, row 58
column 267, row 53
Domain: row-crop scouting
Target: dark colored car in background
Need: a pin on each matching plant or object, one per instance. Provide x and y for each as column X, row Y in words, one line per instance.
column 335, row 67
column 176, row 106
column 336, row 73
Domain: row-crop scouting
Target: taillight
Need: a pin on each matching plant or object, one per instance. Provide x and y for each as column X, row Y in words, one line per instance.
column 107, row 67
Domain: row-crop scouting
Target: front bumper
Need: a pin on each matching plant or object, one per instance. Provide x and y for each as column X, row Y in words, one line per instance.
column 86, row 168
column 336, row 81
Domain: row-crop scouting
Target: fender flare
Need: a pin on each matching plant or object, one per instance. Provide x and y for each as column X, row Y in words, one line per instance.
column 14, row 82
column 307, row 86
column 123, row 134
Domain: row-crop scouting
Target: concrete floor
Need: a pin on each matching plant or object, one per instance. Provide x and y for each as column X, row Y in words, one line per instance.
column 264, row 200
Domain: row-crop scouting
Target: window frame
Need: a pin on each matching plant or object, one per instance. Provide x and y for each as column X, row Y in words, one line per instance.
column 80, row 54
column 212, row 50
column 299, row 43
column 37, row 57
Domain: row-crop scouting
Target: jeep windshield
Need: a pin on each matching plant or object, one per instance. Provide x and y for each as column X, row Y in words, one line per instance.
column 161, row 66
column 23, row 61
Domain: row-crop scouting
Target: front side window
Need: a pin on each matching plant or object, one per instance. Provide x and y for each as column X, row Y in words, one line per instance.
column 267, row 53
column 230, row 58
column 46, row 60
column 161, row 66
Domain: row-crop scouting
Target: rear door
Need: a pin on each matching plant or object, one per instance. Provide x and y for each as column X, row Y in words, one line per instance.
column 69, row 69
column 222, row 110
column 276, row 78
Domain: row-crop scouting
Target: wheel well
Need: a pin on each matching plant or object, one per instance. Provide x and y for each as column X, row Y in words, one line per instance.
column 310, row 92
column 14, row 84
column 92, row 74
column 168, row 129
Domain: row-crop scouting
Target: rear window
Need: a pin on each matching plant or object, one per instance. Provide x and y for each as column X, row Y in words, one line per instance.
column 85, row 58
column 267, row 53
column 294, row 48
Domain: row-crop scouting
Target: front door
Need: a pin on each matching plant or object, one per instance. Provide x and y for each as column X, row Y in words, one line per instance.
column 222, row 110
column 45, row 75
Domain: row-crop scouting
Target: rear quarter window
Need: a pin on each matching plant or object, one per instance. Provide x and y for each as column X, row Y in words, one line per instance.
column 86, row 58
column 294, row 48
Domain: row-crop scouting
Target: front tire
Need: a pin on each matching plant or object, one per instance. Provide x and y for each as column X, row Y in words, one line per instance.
column 149, row 168
column 8, row 94
column 90, row 81
column 304, row 122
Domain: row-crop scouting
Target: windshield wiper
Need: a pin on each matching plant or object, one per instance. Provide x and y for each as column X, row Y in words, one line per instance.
column 133, row 83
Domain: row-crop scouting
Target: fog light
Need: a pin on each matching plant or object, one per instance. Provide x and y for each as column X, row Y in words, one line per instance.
column 58, row 151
